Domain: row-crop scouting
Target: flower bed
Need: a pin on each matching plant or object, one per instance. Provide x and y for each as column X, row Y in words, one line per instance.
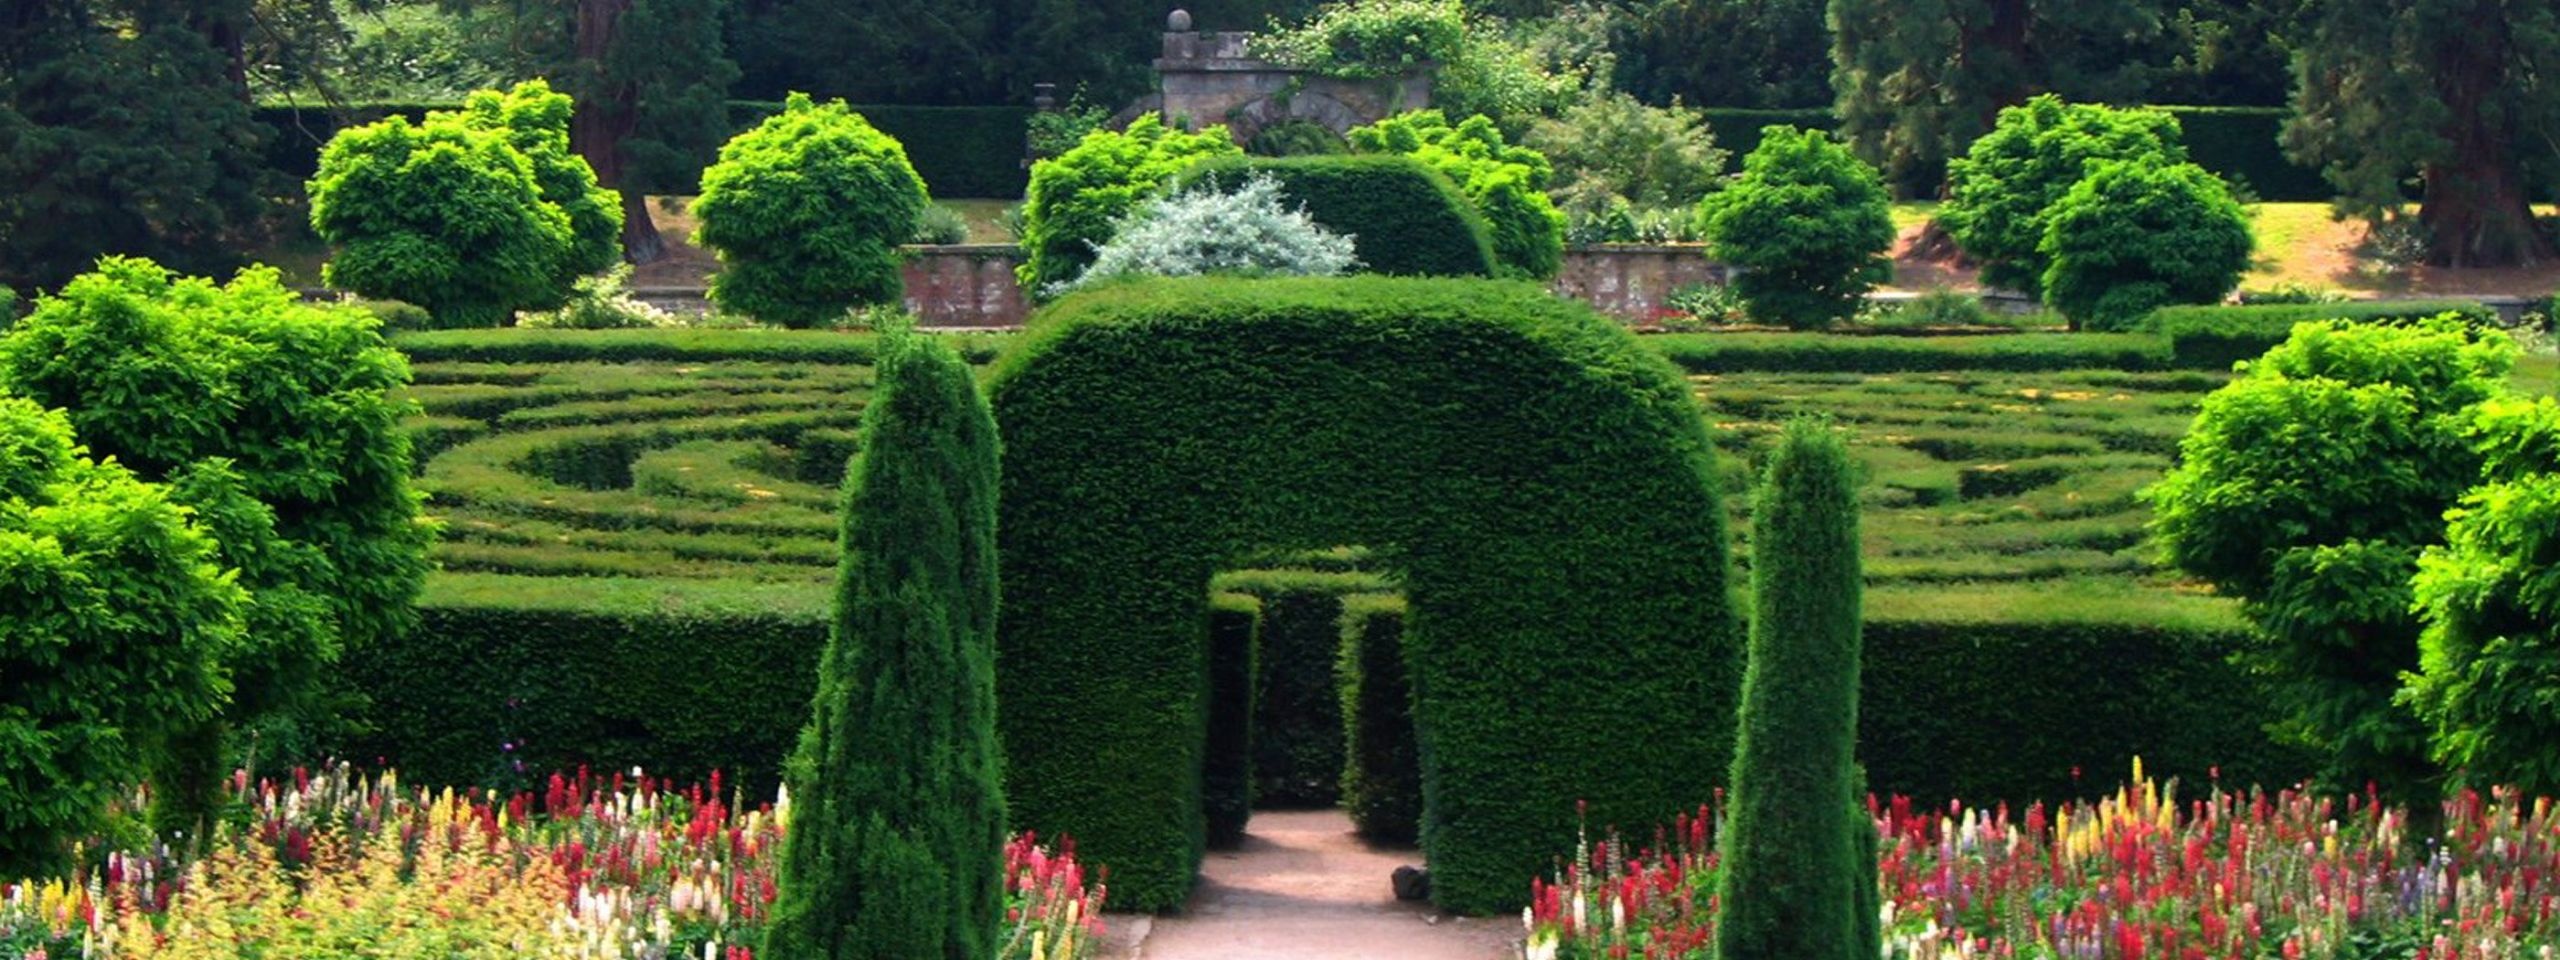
column 621, row 866
column 2139, row 875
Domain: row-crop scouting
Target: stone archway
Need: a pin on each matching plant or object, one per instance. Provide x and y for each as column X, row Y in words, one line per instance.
column 1542, row 482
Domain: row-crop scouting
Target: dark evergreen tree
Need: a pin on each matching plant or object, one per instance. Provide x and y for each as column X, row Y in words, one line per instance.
column 1797, row 872
column 895, row 846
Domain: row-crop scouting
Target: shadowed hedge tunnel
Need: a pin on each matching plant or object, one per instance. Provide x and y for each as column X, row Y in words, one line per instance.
column 1542, row 482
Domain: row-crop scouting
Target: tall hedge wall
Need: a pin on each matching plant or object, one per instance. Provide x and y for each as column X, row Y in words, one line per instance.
column 678, row 677
column 1545, row 485
column 1226, row 774
column 1381, row 772
column 1404, row 218
column 959, row 151
column 1297, row 739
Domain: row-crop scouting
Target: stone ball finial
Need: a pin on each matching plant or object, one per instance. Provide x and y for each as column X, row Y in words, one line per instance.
column 1178, row 22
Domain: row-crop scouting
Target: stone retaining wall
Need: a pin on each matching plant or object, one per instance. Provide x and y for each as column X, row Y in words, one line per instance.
column 1629, row 281
column 965, row 285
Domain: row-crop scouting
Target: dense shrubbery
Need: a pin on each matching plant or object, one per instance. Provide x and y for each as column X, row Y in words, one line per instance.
column 535, row 121
column 445, row 214
column 2132, row 236
column 2001, row 194
column 1076, row 197
column 1613, row 152
column 2219, row 336
column 115, row 626
column 1505, row 183
column 1485, row 431
column 278, row 422
column 1807, row 223
column 1206, row 229
column 806, row 212
column 1402, row 217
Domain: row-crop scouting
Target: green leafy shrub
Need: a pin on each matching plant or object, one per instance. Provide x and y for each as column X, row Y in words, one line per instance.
column 1269, row 430
column 535, row 121
column 2001, row 192
column 602, row 302
column 958, row 151
column 1612, row 146
column 1076, row 198
column 806, row 212
column 1204, row 229
column 1402, row 217
column 279, row 422
column 1049, row 133
column 2277, row 500
column 2133, row 236
column 2219, row 336
column 2487, row 662
column 1296, row 138
column 1794, row 884
column 443, row 215
column 115, row 622
column 1505, row 183
column 1806, row 353
column 939, row 224
column 1370, row 38
column 896, row 846
column 1808, row 225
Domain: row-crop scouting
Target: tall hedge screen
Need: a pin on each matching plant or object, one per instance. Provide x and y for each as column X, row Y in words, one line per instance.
column 1544, row 483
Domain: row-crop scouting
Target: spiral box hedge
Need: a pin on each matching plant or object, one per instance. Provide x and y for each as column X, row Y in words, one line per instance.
column 1544, row 484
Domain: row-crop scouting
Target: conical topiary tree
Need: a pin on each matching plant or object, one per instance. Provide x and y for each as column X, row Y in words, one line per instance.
column 1797, row 871
column 895, row 845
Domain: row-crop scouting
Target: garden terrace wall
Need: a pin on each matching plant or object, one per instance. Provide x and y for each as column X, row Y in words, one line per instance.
column 1630, row 281
column 968, row 285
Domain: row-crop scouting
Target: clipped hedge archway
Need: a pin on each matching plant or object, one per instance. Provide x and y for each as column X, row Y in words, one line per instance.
column 1543, row 483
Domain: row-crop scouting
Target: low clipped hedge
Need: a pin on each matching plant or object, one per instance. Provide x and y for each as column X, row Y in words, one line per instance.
column 1539, row 479
column 1826, row 353
column 510, row 677
column 1404, row 218
column 509, row 346
column 2218, row 336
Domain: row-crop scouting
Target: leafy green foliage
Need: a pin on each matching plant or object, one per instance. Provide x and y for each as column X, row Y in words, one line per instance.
column 1808, row 225
column 1538, row 477
column 806, row 212
column 1791, row 881
column 1371, row 38
column 2002, row 192
column 535, row 121
column 277, row 421
column 1296, row 138
column 2450, row 88
column 1403, row 218
column 2215, row 337
column 1769, row 53
column 2490, row 655
column 444, row 215
column 1076, row 198
column 1505, row 183
column 1207, row 230
column 114, row 625
column 119, row 135
column 2307, row 489
column 1611, row 146
column 898, row 825
column 2133, row 236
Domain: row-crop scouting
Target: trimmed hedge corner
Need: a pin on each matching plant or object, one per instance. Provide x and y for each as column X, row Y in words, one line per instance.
column 1382, row 767
column 1226, row 772
column 1403, row 217
column 1544, row 484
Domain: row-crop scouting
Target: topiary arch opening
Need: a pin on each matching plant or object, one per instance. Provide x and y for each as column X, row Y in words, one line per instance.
column 1543, row 483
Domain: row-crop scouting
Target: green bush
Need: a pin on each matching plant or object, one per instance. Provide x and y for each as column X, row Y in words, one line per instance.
column 961, row 152
column 114, row 625
column 535, row 121
column 1403, row 218
column 2215, row 337
column 2307, row 488
column 2133, row 236
column 806, row 212
column 1240, row 229
column 1611, row 146
column 1792, row 874
column 1297, row 138
column 2001, row 193
column 1539, row 478
column 508, row 677
column 1382, row 766
column 1833, row 353
column 442, row 215
column 279, row 422
column 1739, row 128
column 1807, row 224
column 897, row 820
column 1505, row 183
column 2486, row 659
column 1226, row 772
column 1077, row 198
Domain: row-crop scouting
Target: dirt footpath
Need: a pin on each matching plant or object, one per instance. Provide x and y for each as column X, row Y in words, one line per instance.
column 1303, row 888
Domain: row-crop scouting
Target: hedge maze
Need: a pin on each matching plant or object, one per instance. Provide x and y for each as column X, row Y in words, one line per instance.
column 640, row 531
